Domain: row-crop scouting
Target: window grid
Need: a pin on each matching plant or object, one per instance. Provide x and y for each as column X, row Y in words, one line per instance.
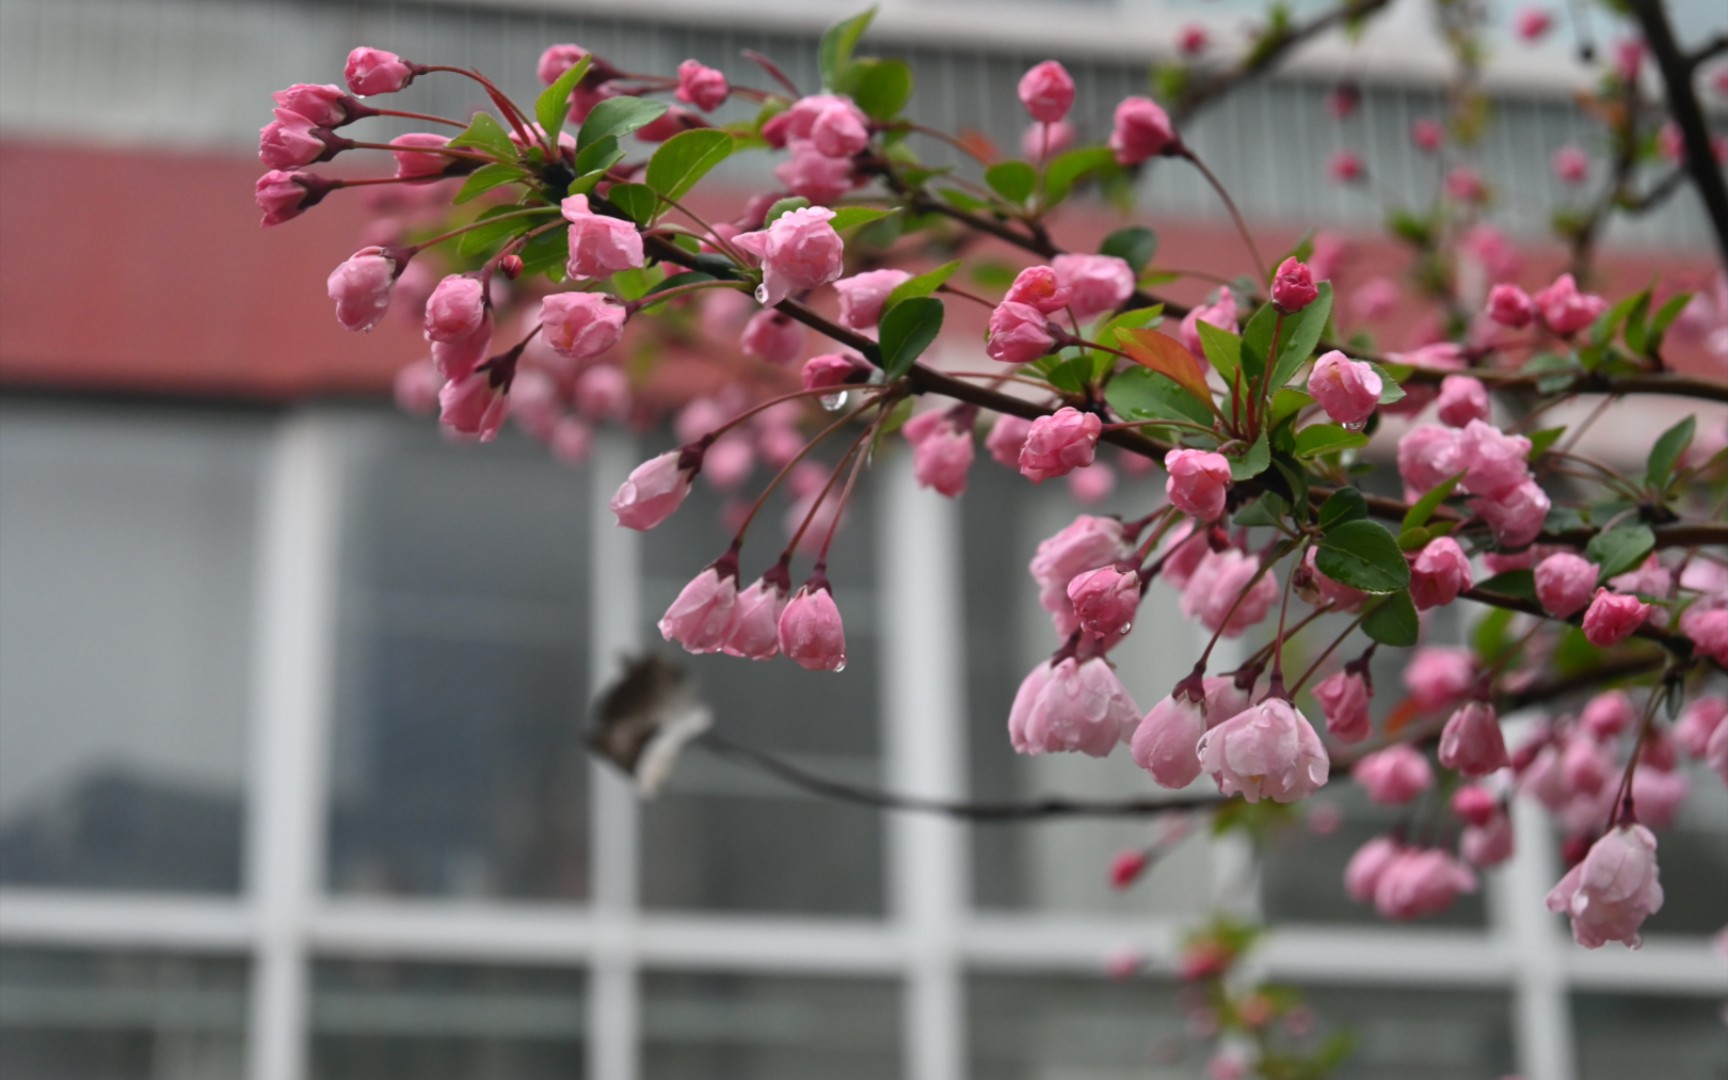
column 928, row 941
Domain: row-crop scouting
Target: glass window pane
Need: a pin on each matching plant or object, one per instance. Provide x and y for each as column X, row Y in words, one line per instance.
column 374, row 1018
column 747, row 1027
column 457, row 759
column 1040, row 1027
column 1418, row 1034
column 120, row 1016
column 127, row 535
column 1675, row 1038
column 1694, row 860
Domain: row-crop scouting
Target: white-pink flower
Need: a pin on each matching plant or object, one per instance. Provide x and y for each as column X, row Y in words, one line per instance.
column 1610, row 894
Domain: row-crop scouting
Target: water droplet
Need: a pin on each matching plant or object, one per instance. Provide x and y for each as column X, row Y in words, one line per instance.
column 1127, row 626
column 841, row 666
column 833, row 402
column 762, row 294
column 1357, row 426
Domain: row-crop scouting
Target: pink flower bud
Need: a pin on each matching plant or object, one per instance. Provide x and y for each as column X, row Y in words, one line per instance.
column 1105, row 600
column 1191, row 40
column 1607, row 715
column 599, row 246
column 833, row 124
column 1419, row 883
column 1584, row 767
column 415, row 388
column 702, row 86
column 1197, row 483
column 1571, row 165
column 285, row 195
column 832, row 371
column 1095, row 284
column 1466, row 185
column 456, row 358
column 1628, row 57
column 1047, row 91
column 1362, row 875
column 1472, row 742
column 1495, row 462
column 1126, row 868
column 1059, row 443
column 374, row 71
column 1650, row 578
column 1343, row 699
column 1349, row 390
column 1343, row 100
column 1612, row 617
column 361, row 288
column 420, row 164
column 1699, row 722
column 1510, row 306
column 1474, row 805
column 813, row 175
column 654, row 489
column 1564, row 309
column 1439, row 574
column 811, row 634
column 1346, row 167
column 1186, row 547
column 1612, row 892
column 1462, row 399
column 291, row 140
column 1165, row 742
column 1716, row 752
column 1142, row 130
column 700, row 619
column 1531, row 24
column 1394, row 776
column 1440, row 677
column 1293, row 287
column 1489, row 844
column 1221, row 313
column 581, row 325
column 476, row 404
column 1217, row 581
column 799, row 251
column 942, row 460
column 1019, row 334
column 456, row 310
column 1074, row 707
column 1516, row 516
column 1007, row 437
column 602, row 392
column 862, row 296
column 755, row 630
column 772, row 337
column 1427, row 135
column 558, row 59
column 1323, row 588
column 323, row 105
column 1707, row 627
column 1268, row 751
column 1041, row 142
column 1085, row 544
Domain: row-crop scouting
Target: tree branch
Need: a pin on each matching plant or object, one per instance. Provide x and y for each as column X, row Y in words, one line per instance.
column 1677, row 71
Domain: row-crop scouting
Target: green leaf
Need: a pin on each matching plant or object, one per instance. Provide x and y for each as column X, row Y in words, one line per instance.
column 1637, row 330
column 546, row 253
column 618, row 117
column 1664, row 318
column 1393, row 621
column 834, row 53
column 686, row 158
column 1317, row 439
column 1134, row 245
column 880, row 87
column 923, row 285
column 1540, row 441
column 1287, row 403
column 1253, row 461
column 1518, row 583
column 1069, row 375
column 484, row 179
column 598, row 156
column 1667, row 452
column 1268, row 509
column 1345, row 504
column 1066, row 169
column 907, row 329
column 1602, row 330
column 1620, row 549
column 1013, row 180
column 784, row 206
column 488, row 237
column 553, row 105
column 484, row 134
column 1223, row 350
column 636, row 200
column 847, row 217
column 1256, row 342
column 1301, row 333
column 1423, row 509
column 1134, row 319
column 1491, row 636
column 1363, row 555
column 1390, row 390
column 1142, row 394
column 634, row 284
column 689, row 277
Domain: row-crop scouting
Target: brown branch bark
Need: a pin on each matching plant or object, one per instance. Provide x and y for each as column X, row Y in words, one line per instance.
column 1677, row 69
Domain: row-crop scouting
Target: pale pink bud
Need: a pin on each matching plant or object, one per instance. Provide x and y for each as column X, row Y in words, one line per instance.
column 755, row 630
column 799, row 251
column 1394, row 776
column 284, row 195
column 1081, row 707
column 1612, row 617
column 832, row 371
column 943, row 460
column 1041, row 142
column 1466, row 185
column 1462, row 399
column 1007, row 437
column 602, row 392
column 833, row 124
column 1584, row 767
column 417, row 161
column 1472, row 742
column 1349, row 390
column 1019, row 334
column 1293, row 287
column 1047, row 91
column 581, row 325
column 862, row 296
column 701, row 86
column 1439, row 574
column 476, row 404
column 599, row 245
column 1268, row 751
column 1343, row 100
column 1217, row 581
column 1564, row 309
column 1197, row 482
column 772, row 337
column 1369, row 864
column 374, row 71
column 1607, row 715
column 1510, row 306
column 361, row 288
column 1343, row 699
column 1184, row 550
column 324, row 105
column 291, row 140
column 416, row 388
column 556, row 60
column 1324, row 589
column 1474, row 805
column 1165, row 742
column 811, row 634
column 654, row 489
column 701, row 617
column 1095, row 284
column 1610, row 894
column 1093, row 484
column 457, row 357
column 1488, row 844
column 1025, row 701
column 1427, row 135
column 1221, row 313
column 1105, row 600
column 1142, row 130
column 1346, row 167
column 456, row 310
column 1516, row 516
column 1439, row 677
column 1059, row 443
column 1532, row 23
column 1419, row 883
column 813, row 175
column 1571, row 165
column 1716, row 752
column 1707, row 628
column 1086, row 543
column 1699, row 722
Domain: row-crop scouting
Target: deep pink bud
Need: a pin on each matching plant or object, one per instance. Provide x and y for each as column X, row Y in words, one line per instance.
column 1349, row 390
column 1006, row 439
column 1419, row 883
column 1059, row 443
column 581, row 325
column 1142, row 130
column 1612, row 617
column 1211, row 592
column 1047, row 91
column 374, row 71
column 832, row 371
column 1085, row 544
column 1439, row 574
column 1095, row 284
column 1073, row 706
column 284, row 195
column 1126, row 868
column 1346, row 167
column 1197, row 482
column 1427, row 135
column 1267, row 751
column 1192, row 40
column 799, row 251
column 1395, row 775
column 1369, row 864
column 653, row 490
column 1474, row 805
column 1019, row 334
column 1612, row 892
column 1472, row 742
column 558, row 59
column 832, row 124
column 811, row 633
column 772, row 337
column 1343, row 100
column 361, row 288
column 1571, row 165
column 755, row 630
column 599, row 246
column 1532, row 23
column 1439, row 677
column 1343, row 699
column 1293, row 288
column 324, row 105
column 1510, row 306
column 943, row 459
column 702, row 86
column 476, row 404
column 1566, row 310
column 1105, row 600
column 700, row 619
column 1166, row 742
column 1462, row 399
column 862, row 296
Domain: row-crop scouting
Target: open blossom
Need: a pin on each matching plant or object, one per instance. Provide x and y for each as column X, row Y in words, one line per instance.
column 1095, row 283
column 1142, row 130
column 799, row 251
column 1293, row 287
column 1221, row 313
column 1105, row 600
column 1007, row 437
column 599, row 245
column 1212, row 591
column 772, row 337
column 653, row 490
column 1047, row 91
column 1086, row 543
column 1394, row 776
column 701, row 86
column 1472, row 742
column 581, row 325
column 811, row 633
column 1515, row 516
column 1349, row 390
column 1198, row 482
column 1610, row 894
column 1165, row 742
column 1494, row 462
column 1422, row 882
column 374, row 71
column 361, row 288
column 1439, row 574
column 1343, row 699
column 862, row 296
column 1439, row 677
column 831, row 123
column 1612, row 617
column 1363, row 873
column 1462, row 399
column 1268, row 751
column 1564, row 309
column 1019, row 334
column 701, row 617
column 1039, row 287
column 754, row 633
column 1074, row 706
column 814, row 175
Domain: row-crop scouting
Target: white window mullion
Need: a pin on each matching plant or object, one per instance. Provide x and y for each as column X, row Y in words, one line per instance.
column 1541, row 1013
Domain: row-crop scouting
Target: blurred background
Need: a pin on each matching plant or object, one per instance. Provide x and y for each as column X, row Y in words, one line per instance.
column 292, row 690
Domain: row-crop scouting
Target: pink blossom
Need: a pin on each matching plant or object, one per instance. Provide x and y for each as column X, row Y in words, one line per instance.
column 1221, row 313
column 1095, row 283
column 1462, row 400
column 1047, row 91
column 1087, row 543
column 1343, row 100
column 1466, row 185
column 1475, row 805
column 700, row 619
column 1564, row 309
column 942, row 460
column 833, row 124
column 1346, row 167
column 1369, row 864
column 1059, row 443
column 1716, row 752
column 599, row 245
column 1191, row 40
column 1332, row 253
column 556, row 60
column 1650, row 578
column 1039, row 287
column 799, row 251
column 1515, row 516
column 653, row 490
column 1266, row 751
column 1428, row 456
column 832, row 371
column 581, row 325
column 1439, row 574
column 1198, row 482
column 456, row 309
column 1612, row 617
column 1584, row 767
column 1607, row 715
column 1007, row 437
column 323, row 105
column 1323, row 589
column 1394, row 776
column 1093, row 484
column 1343, row 699
column 1439, row 677
column 291, row 140
column 1349, row 390
column 862, row 296
column 1127, row 867
column 1707, row 627
column 374, row 71
column 814, row 175
column 1019, row 334
column 475, row 405
column 1025, row 699
column 1488, row 844
column 701, row 86
column 1427, row 134
column 755, row 630
column 1293, row 286
column 361, row 288
column 1080, row 707
column 811, row 634
column 772, row 337
column 1531, row 24
column 1164, row 744
column 602, row 392
column 1105, row 600
column 1374, row 299
column 415, row 388
column 1658, row 794
column 1185, row 547
column 1041, row 142
column 1571, row 165
column 1220, row 578
column 1472, row 742
column 1495, row 462
column 1699, row 722
column 1628, row 58
column 1421, row 882
column 1610, row 894
column 1142, row 130
column 1510, row 306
